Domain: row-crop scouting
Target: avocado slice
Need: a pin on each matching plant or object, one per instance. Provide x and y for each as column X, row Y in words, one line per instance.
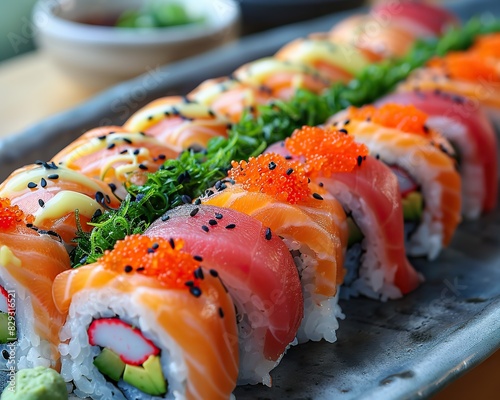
column 413, row 205
column 148, row 378
column 355, row 234
column 110, row 364
column 6, row 335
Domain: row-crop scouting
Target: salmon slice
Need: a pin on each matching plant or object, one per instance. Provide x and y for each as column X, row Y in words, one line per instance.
column 229, row 97
column 337, row 62
column 55, row 195
column 29, row 263
column 281, row 78
column 191, row 315
column 115, row 156
column 178, row 122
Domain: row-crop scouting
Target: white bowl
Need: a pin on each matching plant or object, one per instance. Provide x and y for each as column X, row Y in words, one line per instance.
column 103, row 55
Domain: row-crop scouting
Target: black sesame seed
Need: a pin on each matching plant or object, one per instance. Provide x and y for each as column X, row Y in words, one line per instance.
column 197, row 202
column 218, row 215
column 83, row 260
column 194, row 211
column 125, row 151
column 41, row 202
column 136, row 152
column 317, row 196
column 269, row 234
column 111, row 146
column 155, row 246
column 221, row 312
column 172, row 243
column 101, row 137
column 162, row 156
column 143, row 167
column 32, row 185
column 204, row 228
column 127, row 140
column 195, row 291
column 128, row 268
column 140, row 269
column 289, row 171
column 320, row 184
column 186, row 199
column 150, row 250
column 198, row 273
column 43, row 183
column 97, row 213
column 150, row 118
column 212, row 222
column 288, row 157
column 112, row 186
column 189, row 283
column 214, row 273
column 347, row 121
column 165, row 217
column 272, row 165
column 231, row 226
column 359, row 160
column 99, row 197
column 198, row 258
column 343, row 131
column 53, row 176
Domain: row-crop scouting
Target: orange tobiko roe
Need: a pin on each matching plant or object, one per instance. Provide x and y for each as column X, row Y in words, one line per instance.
column 326, row 150
column 468, row 66
column 10, row 215
column 406, row 118
column 487, row 46
column 155, row 257
column 273, row 175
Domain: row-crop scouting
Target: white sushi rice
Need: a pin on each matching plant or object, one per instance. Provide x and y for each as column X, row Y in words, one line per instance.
column 31, row 351
column 320, row 312
column 473, row 190
column 78, row 355
column 375, row 279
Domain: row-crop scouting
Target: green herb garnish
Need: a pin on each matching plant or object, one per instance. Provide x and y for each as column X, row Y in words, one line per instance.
column 192, row 173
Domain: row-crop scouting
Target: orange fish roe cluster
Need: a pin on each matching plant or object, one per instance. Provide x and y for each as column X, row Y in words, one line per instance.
column 273, row 175
column 406, row 118
column 154, row 257
column 487, row 46
column 468, row 66
column 326, row 150
column 10, row 215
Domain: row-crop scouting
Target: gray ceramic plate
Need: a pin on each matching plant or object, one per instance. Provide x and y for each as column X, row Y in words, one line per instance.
column 396, row 350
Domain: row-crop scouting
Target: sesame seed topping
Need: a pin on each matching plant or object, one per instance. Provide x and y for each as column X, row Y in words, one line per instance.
column 198, row 273
column 317, row 196
column 41, row 202
column 197, row 202
column 214, row 273
column 97, row 213
column 165, row 217
column 194, row 211
column 218, row 215
column 359, row 160
column 343, row 131
column 112, row 186
column 127, row 140
column 189, row 283
column 221, row 312
column 125, row 151
column 32, row 185
column 204, row 228
column 195, row 291
column 136, row 152
column 111, row 146
column 198, row 258
column 272, row 165
column 101, row 137
column 53, row 176
column 186, row 199
column 43, row 182
column 172, row 243
column 212, row 222
column 231, row 226
column 289, row 171
column 143, row 167
column 128, row 268
column 268, row 234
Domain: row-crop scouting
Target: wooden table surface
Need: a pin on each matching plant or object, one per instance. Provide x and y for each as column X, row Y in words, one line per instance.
column 33, row 88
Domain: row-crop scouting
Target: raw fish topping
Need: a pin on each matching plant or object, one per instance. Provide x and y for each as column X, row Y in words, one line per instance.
column 467, row 66
column 10, row 215
column 273, row 175
column 487, row 46
column 155, row 257
column 406, row 118
column 326, row 150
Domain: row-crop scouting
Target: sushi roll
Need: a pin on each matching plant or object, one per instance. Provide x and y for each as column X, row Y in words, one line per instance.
column 178, row 122
column 473, row 138
column 229, row 97
column 60, row 199
column 281, row 78
column 115, row 156
column 257, row 270
column 429, row 182
column 337, row 62
column 376, row 264
column 143, row 322
column 30, row 259
column 473, row 73
column 310, row 221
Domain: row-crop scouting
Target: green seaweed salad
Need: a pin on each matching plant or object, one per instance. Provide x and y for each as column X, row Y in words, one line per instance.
column 187, row 177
